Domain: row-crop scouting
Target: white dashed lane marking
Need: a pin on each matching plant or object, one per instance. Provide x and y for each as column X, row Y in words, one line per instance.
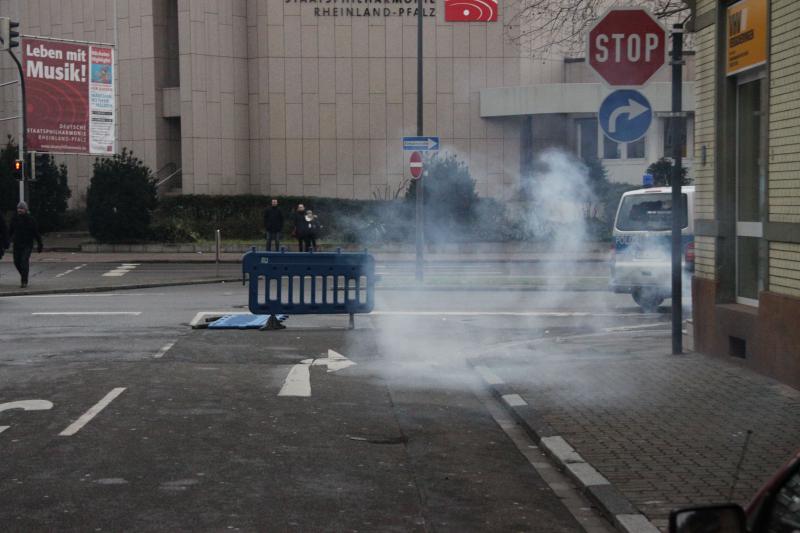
column 71, row 270
column 92, row 412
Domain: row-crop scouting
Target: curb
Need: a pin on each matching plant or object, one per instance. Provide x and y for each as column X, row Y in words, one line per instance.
column 612, row 503
column 82, row 290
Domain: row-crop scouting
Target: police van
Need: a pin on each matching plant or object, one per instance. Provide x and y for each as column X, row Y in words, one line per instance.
column 641, row 255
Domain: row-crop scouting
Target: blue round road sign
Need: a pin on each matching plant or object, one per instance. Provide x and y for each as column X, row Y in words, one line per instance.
column 625, row 116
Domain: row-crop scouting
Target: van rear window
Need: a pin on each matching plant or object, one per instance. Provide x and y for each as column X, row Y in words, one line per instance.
column 649, row 212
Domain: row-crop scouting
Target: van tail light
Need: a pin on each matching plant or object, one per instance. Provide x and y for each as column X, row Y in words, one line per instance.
column 689, row 255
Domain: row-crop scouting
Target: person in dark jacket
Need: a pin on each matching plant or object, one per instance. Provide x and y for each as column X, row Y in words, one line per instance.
column 273, row 224
column 299, row 232
column 23, row 232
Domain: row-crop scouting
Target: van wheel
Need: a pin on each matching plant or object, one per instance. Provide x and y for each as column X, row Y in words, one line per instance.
column 647, row 299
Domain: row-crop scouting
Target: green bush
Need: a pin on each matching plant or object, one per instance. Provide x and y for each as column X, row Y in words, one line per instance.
column 450, row 200
column 120, row 199
column 662, row 173
column 196, row 217
column 49, row 194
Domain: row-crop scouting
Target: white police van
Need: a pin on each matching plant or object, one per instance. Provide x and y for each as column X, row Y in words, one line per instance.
column 640, row 262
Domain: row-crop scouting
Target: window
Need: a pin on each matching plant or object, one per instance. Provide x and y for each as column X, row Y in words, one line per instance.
column 649, row 212
column 636, row 149
column 785, row 515
column 611, row 149
column 587, row 138
column 670, row 137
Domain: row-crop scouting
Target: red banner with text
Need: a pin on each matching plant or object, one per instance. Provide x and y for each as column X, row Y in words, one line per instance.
column 69, row 90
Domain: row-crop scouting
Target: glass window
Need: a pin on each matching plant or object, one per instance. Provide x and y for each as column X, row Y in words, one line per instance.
column 611, row 149
column 636, row 149
column 749, row 182
column 648, row 212
column 670, row 137
column 785, row 515
column 587, row 138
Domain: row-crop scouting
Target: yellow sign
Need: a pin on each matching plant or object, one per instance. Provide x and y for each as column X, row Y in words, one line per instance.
column 747, row 35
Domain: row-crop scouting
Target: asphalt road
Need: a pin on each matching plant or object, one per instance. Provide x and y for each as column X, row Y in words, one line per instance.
column 134, row 421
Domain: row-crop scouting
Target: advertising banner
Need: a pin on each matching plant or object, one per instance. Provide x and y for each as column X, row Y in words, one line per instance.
column 69, row 90
column 747, row 35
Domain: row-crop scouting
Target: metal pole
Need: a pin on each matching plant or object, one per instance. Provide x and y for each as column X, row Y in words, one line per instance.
column 21, row 143
column 218, row 240
column 420, row 181
column 676, row 126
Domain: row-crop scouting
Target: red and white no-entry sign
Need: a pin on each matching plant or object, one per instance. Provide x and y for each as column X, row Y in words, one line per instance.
column 415, row 164
column 627, row 47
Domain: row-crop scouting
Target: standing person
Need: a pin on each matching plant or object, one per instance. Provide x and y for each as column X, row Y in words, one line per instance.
column 299, row 226
column 273, row 224
column 23, row 232
column 312, row 228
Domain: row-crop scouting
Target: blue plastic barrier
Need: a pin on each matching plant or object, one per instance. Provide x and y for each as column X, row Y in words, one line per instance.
column 294, row 283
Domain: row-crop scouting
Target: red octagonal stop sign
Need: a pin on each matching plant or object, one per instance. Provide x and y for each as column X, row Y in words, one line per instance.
column 627, row 46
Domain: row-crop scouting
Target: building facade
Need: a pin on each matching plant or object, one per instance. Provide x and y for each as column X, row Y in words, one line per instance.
column 747, row 169
column 312, row 99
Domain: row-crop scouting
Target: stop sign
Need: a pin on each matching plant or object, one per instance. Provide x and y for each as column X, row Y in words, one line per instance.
column 415, row 165
column 627, row 46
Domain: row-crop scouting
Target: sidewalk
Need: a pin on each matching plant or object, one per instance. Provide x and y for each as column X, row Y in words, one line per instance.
column 644, row 431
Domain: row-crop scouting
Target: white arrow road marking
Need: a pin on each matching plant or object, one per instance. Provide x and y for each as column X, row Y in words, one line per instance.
column 25, row 405
column 298, row 382
column 633, row 110
column 92, row 412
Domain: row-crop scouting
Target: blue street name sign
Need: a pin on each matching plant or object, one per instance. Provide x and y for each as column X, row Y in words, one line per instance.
column 625, row 116
column 420, row 144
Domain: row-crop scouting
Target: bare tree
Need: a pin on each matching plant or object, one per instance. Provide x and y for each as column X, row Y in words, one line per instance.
column 559, row 27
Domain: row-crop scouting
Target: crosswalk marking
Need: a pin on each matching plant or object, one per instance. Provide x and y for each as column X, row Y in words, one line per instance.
column 121, row 270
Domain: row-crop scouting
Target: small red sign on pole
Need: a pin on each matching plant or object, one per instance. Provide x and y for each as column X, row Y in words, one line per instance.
column 627, row 47
column 415, row 165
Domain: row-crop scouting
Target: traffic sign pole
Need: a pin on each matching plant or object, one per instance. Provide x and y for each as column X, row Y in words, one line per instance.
column 676, row 126
column 420, row 187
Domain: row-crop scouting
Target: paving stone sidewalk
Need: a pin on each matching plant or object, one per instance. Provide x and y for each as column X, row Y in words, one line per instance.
column 666, row 431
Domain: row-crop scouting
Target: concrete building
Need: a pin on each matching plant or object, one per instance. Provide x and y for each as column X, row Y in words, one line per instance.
column 292, row 97
column 747, row 152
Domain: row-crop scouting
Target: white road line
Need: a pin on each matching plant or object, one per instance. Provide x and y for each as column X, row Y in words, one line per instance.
column 164, row 349
column 71, row 270
column 3, row 428
column 87, row 313
column 92, row 412
column 121, row 270
column 514, row 400
column 298, row 382
column 488, row 376
column 557, row 314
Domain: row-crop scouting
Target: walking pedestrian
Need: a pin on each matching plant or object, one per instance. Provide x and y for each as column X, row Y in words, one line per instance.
column 312, row 228
column 273, row 224
column 299, row 226
column 23, row 232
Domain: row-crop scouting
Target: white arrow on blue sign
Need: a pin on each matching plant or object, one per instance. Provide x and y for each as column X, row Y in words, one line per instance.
column 625, row 116
column 420, row 144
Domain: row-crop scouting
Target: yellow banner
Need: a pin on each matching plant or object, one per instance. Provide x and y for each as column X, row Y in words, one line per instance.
column 747, row 35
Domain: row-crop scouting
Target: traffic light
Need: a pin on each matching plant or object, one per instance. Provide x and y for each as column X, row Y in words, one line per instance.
column 18, row 168
column 40, row 166
column 9, row 37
